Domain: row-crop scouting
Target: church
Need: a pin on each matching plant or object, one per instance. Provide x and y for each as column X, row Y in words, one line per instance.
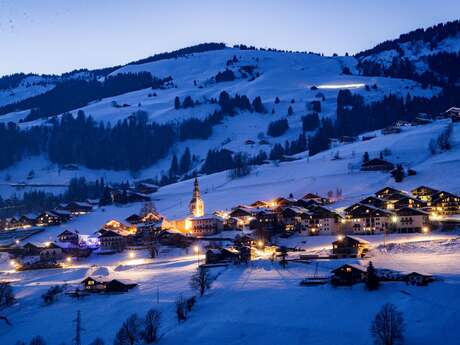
column 199, row 224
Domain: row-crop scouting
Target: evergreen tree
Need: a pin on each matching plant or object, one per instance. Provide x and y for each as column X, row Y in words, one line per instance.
column 372, row 280
column 177, row 104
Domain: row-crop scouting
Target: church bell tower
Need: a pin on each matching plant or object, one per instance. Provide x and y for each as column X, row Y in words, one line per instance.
column 196, row 205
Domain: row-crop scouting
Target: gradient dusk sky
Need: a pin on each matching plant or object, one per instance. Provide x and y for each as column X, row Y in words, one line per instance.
column 55, row 36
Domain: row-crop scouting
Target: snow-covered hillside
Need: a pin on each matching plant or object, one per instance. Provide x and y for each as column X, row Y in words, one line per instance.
column 289, row 76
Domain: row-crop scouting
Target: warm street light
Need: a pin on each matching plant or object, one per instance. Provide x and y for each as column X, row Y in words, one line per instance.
column 132, row 255
column 196, row 249
column 340, row 238
column 260, row 244
column 425, row 229
column 68, row 259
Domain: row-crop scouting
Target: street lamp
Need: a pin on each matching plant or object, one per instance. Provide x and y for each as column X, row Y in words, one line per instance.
column 196, row 249
column 131, row 255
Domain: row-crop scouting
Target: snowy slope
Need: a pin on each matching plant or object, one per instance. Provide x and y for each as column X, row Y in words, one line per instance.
column 288, row 76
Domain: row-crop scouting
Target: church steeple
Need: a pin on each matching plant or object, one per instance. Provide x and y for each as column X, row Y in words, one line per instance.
column 196, row 205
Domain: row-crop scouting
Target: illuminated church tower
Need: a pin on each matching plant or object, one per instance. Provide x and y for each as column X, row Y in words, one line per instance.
column 196, row 205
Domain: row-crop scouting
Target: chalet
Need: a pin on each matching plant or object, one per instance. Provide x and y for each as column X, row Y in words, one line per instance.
column 412, row 220
column 401, row 201
column 416, row 278
column 260, row 203
column 173, row 238
column 377, row 164
column 205, row 225
column 391, row 130
column 55, row 217
column 214, row 256
column 280, row 202
column 146, row 188
column 267, row 221
column 112, row 241
column 27, row 220
column 243, row 214
column 116, row 286
column 316, row 198
column 30, row 249
column 424, row 193
column 350, row 247
column 68, row 236
column 323, row 221
column 291, row 218
column 51, row 252
column 445, row 203
column 373, row 201
column 133, row 196
column 306, row 203
column 134, row 219
column 387, row 191
column 76, row 208
column 12, row 223
column 93, row 285
column 367, row 219
column 348, row 274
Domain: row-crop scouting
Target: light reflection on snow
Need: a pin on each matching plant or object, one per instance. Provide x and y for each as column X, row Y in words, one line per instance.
column 341, row 86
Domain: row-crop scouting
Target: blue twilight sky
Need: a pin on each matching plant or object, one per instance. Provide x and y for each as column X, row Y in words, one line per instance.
column 54, row 36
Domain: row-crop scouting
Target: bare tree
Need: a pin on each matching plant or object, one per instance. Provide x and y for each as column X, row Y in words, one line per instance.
column 97, row 341
column 129, row 332
column 388, row 326
column 201, row 280
column 180, row 309
column 37, row 340
column 6, row 295
column 151, row 325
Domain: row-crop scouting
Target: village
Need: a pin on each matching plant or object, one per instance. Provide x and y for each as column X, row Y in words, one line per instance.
column 238, row 235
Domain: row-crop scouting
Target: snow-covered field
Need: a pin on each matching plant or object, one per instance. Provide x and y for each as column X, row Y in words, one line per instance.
column 257, row 304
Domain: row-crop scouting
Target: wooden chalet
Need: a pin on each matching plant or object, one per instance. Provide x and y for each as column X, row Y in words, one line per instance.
column 350, row 247
column 419, row 279
column 377, row 164
column 134, row 219
column 146, row 188
column 93, row 285
column 113, row 286
column 445, row 203
column 76, row 208
column 412, row 220
column 348, row 274
column 112, row 241
column 51, row 252
column 220, row 255
column 316, row 198
column 27, row 220
column 367, row 219
column 322, row 220
column 68, row 236
column 30, row 249
column 424, row 193
column 402, row 201
column 384, row 193
column 54, row 217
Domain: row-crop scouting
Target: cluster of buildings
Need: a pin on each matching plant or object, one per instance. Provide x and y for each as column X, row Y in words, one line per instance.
column 62, row 214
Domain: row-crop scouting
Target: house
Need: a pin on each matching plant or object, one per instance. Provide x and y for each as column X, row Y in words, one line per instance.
column 366, row 219
column 243, row 214
column 416, row 278
column 322, row 221
column 291, row 218
column 76, row 208
column 134, row 219
column 316, row 198
column 266, row 220
column 51, row 252
column 412, row 220
column 30, row 249
column 27, row 220
column 445, row 203
column 146, row 188
column 115, row 286
column 93, row 285
column 387, row 191
column 397, row 201
column 350, row 246
column 205, row 225
column 348, row 274
column 112, row 241
column 55, row 217
column 424, row 193
column 373, row 201
column 68, row 236
column 377, row 164
column 219, row 255
column 391, row 130
column 173, row 238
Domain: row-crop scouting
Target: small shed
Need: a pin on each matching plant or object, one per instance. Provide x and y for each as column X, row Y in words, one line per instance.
column 419, row 279
column 350, row 246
